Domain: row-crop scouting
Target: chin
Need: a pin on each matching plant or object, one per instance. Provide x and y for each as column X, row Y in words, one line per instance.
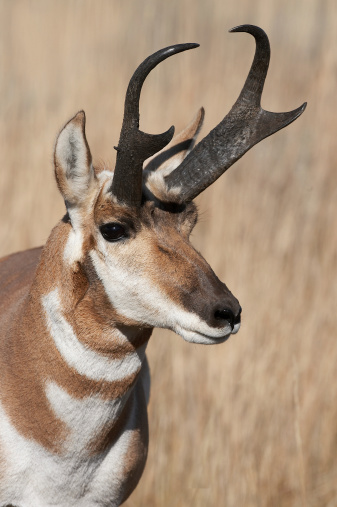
column 202, row 339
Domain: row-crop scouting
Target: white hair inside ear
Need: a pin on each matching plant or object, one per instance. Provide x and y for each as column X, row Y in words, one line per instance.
column 73, row 163
column 169, row 158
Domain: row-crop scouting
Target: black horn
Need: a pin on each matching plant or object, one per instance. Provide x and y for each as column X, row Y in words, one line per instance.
column 245, row 125
column 134, row 145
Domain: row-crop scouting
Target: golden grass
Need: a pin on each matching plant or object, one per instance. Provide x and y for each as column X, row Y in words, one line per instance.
column 251, row 422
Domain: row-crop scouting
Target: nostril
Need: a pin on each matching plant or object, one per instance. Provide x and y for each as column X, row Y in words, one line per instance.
column 225, row 314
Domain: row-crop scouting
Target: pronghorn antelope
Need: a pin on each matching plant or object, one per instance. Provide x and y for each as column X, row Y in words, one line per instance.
column 76, row 316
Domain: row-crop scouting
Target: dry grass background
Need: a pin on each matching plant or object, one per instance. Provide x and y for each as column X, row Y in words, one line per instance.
column 252, row 422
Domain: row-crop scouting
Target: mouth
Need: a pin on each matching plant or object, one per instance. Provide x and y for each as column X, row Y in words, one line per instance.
column 236, row 328
column 216, row 336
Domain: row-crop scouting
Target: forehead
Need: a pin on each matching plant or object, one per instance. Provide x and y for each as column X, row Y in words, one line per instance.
column 106, row 209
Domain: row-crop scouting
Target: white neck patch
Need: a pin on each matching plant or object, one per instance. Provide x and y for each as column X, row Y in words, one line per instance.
column 34, row 476
column 85, row 418
column 85, row 361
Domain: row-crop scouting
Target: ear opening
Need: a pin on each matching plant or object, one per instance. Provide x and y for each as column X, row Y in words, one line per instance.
column 73, row 162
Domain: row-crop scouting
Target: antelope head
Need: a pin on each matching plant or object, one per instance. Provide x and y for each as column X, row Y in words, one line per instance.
column 129, row 229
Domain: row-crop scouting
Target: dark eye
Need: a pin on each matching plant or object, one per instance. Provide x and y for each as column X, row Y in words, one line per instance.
column 113, row 231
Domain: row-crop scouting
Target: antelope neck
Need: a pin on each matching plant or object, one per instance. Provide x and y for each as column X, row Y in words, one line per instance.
column 71, row 363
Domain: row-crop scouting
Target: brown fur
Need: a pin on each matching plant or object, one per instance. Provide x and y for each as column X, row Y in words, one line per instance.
column 31, row 359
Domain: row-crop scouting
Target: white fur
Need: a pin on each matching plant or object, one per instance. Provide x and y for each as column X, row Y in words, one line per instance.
column 157, row 186
column 84, row 360
column 155, row 179
column 105, row 175
column 34, row 477
column 73, row 251
column 236, row 328
column 134, row 296
column 84, row 418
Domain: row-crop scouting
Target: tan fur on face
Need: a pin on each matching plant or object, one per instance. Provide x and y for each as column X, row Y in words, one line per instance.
column 175, row 263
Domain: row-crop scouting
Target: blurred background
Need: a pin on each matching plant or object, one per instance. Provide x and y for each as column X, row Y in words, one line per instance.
column 251, row 422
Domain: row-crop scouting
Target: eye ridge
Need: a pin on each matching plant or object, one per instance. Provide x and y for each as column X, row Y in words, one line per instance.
column 113, row 231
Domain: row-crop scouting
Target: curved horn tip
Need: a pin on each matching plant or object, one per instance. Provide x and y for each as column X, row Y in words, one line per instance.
column 254, row 30
column 303, row 107
column 188, row 45
column 293, row 115
column 178, row 48
column 171, row 130
column 297, row 112
column 164, row 138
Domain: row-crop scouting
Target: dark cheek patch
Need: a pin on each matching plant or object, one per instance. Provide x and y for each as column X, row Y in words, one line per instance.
column 179, row 218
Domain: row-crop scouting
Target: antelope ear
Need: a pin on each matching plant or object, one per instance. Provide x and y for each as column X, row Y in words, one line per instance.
column 169, row 158
column 73, row 163
column 174, row 153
